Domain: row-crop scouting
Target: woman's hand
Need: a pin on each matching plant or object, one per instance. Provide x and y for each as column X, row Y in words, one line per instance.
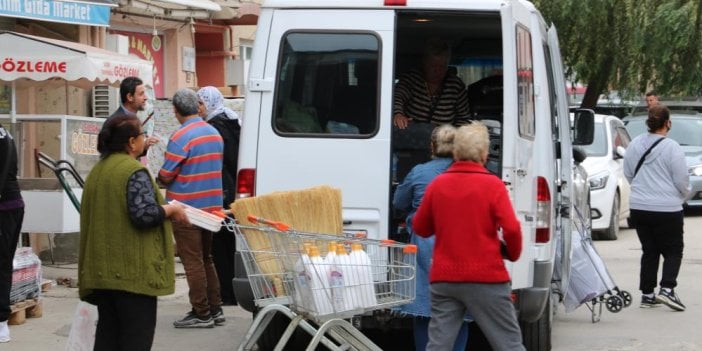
column 400, row 121
column 176, row 212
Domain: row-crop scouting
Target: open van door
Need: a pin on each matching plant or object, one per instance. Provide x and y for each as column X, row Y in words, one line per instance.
column 566, row 164
column 322, row 118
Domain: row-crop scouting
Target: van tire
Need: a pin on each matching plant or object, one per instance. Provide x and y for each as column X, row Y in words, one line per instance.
column 612, row 232
column 536, row 336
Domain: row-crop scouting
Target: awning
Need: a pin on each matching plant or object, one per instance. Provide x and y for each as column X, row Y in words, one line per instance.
column 26, row 59
column 85, row 12
column 179, row 9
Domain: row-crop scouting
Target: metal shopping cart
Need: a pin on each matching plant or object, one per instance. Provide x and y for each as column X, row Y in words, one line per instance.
column 288, row 275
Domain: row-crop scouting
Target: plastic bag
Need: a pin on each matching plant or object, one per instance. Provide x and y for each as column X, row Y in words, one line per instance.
column 82, row 335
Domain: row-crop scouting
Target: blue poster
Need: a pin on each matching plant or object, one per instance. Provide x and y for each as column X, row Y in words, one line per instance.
column 83, row 12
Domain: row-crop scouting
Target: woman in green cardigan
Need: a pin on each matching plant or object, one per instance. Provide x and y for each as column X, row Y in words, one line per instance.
column 126, row 243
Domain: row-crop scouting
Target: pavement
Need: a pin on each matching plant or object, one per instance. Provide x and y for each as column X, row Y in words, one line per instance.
column 51, row 330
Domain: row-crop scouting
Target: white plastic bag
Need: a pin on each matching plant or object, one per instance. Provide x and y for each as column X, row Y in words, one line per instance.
column 82, row 335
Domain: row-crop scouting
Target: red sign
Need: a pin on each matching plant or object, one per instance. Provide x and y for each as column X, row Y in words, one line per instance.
column 12, row 65
column 148, row 47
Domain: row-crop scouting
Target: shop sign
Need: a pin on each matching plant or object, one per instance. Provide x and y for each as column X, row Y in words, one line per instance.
column 148, row 47
column 10, row 64
column 83, row 12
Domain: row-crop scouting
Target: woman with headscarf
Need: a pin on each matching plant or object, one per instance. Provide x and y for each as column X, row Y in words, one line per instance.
column 228, row 125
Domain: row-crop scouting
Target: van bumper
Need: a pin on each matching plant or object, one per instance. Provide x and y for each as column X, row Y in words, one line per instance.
column 241, row 285
column 531, row 302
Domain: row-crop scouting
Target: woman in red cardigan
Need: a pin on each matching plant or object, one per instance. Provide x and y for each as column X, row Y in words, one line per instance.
column 465, row 208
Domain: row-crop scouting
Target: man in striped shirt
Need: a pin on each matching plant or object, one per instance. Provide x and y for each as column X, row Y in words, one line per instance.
column 431, row 94
column 193, row 173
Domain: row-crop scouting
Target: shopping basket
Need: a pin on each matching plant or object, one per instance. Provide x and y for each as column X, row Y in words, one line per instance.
column 322, row 277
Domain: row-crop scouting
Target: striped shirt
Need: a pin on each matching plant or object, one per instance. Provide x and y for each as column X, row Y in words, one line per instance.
column 193, row 160
column 412, row 100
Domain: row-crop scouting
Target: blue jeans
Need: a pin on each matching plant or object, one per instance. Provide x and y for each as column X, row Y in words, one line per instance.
column 421, row 335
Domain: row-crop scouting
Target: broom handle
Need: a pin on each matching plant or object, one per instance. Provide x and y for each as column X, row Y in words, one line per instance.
column 260, row 220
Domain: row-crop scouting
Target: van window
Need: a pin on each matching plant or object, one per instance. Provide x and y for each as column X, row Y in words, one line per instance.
column 327, row 85
column 525, row 83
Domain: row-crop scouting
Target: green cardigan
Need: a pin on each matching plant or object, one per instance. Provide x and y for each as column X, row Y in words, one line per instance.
column 114, row 254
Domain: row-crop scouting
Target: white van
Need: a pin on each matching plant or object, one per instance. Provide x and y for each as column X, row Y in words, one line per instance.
column 319, row 111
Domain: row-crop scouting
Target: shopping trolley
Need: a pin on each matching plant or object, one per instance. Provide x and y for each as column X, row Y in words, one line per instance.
column 590, row 281
column 288, row 275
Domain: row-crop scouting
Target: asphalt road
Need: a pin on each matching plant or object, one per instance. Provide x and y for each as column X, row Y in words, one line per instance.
column 636, row 328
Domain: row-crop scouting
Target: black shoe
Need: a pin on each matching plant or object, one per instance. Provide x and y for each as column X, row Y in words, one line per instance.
column 670, row 299
column 192, row 320
column 218, row 317
column 649, row 302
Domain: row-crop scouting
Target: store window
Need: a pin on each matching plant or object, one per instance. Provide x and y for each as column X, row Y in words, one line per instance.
column 525, row 83
column 327, row 85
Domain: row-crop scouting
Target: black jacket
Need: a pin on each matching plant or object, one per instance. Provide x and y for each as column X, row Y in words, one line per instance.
column 9, row 187
column 229, row 129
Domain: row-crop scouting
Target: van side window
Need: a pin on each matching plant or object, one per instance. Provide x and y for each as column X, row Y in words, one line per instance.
column 525, row 83
column 327, row 85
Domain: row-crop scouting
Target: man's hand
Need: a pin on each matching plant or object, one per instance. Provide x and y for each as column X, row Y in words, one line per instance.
column 400, row 121
column 151, row 140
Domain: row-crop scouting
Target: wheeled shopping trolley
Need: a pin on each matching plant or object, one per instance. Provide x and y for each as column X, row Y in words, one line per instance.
column 590, row 281
column 322, row 278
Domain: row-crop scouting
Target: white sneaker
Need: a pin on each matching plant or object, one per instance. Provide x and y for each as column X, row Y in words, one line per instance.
column 4, row 332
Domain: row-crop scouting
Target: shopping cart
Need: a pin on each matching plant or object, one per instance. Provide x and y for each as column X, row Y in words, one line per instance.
column 288, row 275
column 590, row 281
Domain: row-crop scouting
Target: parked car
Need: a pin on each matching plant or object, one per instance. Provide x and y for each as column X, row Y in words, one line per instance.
column 609, row 190
column 687, row 131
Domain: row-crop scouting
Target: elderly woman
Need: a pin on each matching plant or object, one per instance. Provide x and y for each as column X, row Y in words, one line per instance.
column 126, row 243
column 228, row 125
column 465, row 208
column 408, row 195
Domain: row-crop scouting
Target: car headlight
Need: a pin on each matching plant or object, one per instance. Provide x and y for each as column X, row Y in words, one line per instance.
column 695, row 170
column 598, row 181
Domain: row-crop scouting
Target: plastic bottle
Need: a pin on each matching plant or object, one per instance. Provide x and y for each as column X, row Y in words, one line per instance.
column 331, row 252
column 345, row 294
column 365, row 288
column 302, row 295
column 321, row 292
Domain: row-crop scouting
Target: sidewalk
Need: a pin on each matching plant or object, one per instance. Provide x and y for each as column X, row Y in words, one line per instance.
column 50, row 332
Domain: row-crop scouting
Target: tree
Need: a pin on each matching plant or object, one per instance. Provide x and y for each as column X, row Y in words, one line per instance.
column 629, row 46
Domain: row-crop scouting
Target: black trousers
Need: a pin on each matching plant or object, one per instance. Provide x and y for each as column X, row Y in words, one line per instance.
column 126, row 321
column 10, row 226
column 223, row 246
column 660, row 234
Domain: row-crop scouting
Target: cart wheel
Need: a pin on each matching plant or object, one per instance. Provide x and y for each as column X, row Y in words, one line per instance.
column 626, row 297
column 615, row 304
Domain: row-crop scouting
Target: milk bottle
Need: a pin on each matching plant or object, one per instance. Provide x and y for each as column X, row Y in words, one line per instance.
column 364, row 287
column 321, row 293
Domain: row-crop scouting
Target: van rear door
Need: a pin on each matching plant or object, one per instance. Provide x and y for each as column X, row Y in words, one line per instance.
column 572, row 187
column 324, row 74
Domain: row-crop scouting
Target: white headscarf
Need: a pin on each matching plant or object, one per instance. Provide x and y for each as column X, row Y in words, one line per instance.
column 214, row 103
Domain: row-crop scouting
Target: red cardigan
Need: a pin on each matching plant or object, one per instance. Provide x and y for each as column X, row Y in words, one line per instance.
column 464, row 207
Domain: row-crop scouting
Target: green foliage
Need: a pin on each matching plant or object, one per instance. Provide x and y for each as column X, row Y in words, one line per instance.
column 630, row 46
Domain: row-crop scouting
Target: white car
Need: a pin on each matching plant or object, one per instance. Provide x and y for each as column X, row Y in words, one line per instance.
column 609, row 190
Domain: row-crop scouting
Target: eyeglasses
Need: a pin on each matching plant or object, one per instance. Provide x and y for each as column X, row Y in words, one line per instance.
column 142, row 133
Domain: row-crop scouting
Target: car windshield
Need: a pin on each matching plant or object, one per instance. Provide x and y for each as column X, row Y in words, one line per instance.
column 599, row 142
column 686, row 131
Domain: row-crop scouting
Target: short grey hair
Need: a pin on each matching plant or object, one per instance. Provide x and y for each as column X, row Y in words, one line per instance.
column 471, row 142
column 186, row 102
column 442, row 140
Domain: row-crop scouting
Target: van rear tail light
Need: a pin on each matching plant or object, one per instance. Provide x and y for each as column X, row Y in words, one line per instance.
column 245, row 182
column 543, row 211
column 395, row 2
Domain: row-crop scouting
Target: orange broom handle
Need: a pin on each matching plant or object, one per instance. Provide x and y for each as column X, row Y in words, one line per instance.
column 260, row 220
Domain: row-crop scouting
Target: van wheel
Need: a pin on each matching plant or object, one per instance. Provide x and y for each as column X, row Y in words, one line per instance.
column 536, row 336
column 612, row 232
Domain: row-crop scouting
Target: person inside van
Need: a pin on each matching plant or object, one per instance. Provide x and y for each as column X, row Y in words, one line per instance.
column 431, row 94
column 407, row 198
